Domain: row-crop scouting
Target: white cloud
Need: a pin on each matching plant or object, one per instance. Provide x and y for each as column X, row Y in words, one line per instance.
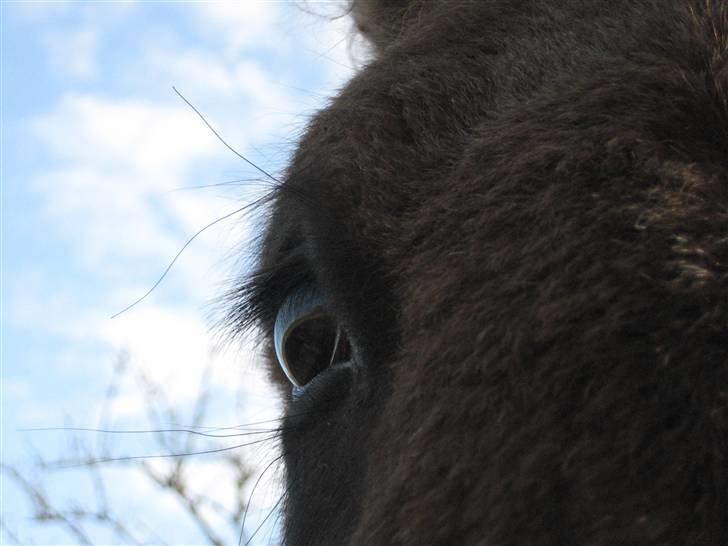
column 16, row 389
column 73, row 53
column 240, row 96
column 116, row 161
column 157, row 141
column 50, row 10
column 190, row 70
column 242, row 24
column 109, row 163
column 42, row 10
column 171, row 346
column 113, row 162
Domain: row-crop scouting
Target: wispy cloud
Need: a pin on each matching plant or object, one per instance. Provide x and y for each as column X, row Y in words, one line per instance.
column 114, row 147
column 73, row 53
column 241, row 24
column 112, row 163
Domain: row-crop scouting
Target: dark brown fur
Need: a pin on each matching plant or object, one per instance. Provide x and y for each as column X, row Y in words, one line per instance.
column 519, row 213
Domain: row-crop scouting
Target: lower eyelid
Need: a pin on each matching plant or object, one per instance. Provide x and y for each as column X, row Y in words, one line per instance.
column 297, row 393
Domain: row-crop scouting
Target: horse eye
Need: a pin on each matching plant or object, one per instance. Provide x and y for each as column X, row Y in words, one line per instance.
column 307, row 339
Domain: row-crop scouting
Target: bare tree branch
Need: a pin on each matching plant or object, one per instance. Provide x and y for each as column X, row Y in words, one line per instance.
column 42, row 507
column 174, row 444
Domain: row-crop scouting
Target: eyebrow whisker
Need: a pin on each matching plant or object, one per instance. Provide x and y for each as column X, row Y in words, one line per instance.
column 176, row 257
column 233, row 150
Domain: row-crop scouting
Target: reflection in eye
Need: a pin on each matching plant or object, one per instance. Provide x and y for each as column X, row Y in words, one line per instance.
column 307, row 339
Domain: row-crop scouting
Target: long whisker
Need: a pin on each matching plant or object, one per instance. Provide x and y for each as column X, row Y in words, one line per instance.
column 152, row 431
column 237, row 427
column 162, row 456
column 233, row 150
column 174, row 260
column 250, row 498
column 272, row 510
column 251, row 424
column 237, row 182
column 198, row 430
column 208, row 226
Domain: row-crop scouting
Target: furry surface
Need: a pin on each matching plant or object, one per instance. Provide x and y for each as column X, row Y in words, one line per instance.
column 519, row 213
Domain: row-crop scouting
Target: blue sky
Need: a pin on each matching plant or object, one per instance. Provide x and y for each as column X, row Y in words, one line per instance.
column 98, row 160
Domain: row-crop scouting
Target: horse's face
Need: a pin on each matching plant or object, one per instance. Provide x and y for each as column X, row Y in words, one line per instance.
column 496, row 275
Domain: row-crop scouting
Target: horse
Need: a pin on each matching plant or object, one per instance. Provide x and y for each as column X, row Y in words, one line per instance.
column 494, row 280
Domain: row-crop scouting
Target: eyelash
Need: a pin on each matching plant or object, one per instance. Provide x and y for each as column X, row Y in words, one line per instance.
column 255, row 302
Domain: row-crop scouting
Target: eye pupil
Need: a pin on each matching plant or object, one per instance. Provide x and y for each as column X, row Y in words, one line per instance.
column 307, row 339
column 312, row 346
